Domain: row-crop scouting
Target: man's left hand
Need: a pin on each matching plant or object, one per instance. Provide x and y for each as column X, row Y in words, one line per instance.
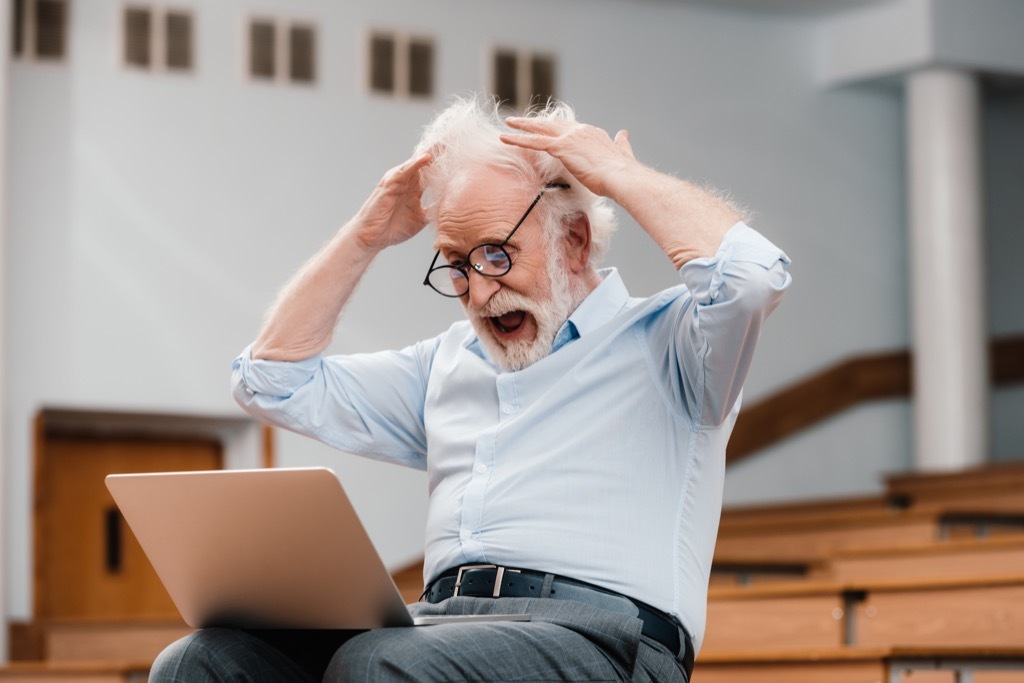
column 587, row 152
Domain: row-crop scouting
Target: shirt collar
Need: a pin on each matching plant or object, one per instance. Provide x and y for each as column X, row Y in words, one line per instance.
column 599, row 307
column 602, row 304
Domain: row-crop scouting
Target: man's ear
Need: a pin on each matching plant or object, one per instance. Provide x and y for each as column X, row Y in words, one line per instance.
column 576, row 242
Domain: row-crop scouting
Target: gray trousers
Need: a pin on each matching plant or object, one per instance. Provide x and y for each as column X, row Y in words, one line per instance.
column 564, row 641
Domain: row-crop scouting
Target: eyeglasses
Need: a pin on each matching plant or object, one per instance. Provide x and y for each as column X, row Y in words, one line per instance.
column 489, row 260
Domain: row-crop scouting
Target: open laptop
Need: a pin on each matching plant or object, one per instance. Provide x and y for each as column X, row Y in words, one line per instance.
column 269, row 548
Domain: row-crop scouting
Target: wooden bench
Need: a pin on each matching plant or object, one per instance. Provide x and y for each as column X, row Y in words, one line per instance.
column 779, row 616
column 807, row 665
column 740, row 572
column 89, row 651
column 132, row 641
column 949, row 559
column 810, row 539
column 76, row 672
column 992, row 486
column 863, row 665
column 921, row 613
column 913, row 612
column 819, row 510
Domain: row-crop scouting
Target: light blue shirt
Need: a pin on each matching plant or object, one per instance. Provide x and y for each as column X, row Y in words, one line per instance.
column 603, row 462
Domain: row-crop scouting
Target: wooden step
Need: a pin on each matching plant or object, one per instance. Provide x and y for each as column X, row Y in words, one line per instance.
column 912, row 612
column 746, row 572
column 863, row 665
column 1005, row 499
column 776, row 621
column 810, row 541
column 78, row 672
column 981, row 485
column 949, row 559
column 818, row 511
column 795, row 665
column 988, row 613
column 128, row 641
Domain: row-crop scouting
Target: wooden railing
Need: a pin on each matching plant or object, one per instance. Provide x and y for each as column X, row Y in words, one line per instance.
column 843, row 386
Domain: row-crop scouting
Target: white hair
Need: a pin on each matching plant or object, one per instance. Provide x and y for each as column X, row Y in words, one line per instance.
column 464, row 137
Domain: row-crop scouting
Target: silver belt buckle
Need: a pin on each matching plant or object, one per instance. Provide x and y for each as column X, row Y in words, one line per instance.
column 497, row 577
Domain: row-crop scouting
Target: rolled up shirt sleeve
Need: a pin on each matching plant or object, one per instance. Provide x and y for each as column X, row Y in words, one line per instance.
column 368, row 404
column 272, row 379
column 733, row 293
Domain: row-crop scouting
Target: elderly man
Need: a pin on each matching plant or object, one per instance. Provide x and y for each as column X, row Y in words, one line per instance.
column 574, row 437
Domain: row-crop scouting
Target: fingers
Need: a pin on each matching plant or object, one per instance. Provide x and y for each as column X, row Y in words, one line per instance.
column 413, row 165
column 537, row 134
column 422, row 160
column 558, row 134
column 406, row 174
column 534, row 142
column 535, row 125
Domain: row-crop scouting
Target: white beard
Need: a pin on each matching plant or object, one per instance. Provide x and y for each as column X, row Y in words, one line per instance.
column 549, row 315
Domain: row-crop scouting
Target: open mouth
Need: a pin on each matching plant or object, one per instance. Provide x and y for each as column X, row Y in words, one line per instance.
column 509, row 323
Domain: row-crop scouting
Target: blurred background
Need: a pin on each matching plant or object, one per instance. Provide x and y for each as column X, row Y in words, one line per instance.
column 168, row 166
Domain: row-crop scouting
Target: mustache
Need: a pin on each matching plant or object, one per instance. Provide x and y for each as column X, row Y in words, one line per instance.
column 504, row 301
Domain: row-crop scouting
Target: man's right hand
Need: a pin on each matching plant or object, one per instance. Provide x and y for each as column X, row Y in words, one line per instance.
column 302, row 321
column 394, row 211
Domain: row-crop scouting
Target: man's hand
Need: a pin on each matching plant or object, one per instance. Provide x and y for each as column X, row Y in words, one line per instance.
column 686, row 221
column 302, row 321
column 393, row 212
column 587, row 152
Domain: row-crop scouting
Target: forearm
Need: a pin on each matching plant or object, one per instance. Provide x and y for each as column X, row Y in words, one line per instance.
column 686, row 221
column 301, row 322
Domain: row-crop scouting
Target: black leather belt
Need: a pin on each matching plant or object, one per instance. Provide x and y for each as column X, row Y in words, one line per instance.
column 492, row 581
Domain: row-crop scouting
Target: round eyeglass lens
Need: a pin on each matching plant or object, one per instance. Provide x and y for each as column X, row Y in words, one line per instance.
column 490, row 259
column 448, row 280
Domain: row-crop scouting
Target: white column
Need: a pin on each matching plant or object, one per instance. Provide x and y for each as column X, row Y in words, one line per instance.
column 950, row 336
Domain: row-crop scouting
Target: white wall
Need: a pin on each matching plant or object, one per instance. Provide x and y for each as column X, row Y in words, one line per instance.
column 154, row 217
column 1004, row 174
column 5, row 49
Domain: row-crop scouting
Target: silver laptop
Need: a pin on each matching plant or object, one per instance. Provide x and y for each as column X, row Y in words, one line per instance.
column 269, row 548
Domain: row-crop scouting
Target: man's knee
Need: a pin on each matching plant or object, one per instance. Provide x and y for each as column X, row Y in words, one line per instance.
column 215, row 654
column 186, row 657
column 370, row 656
column 380, row 655
column 470, row 652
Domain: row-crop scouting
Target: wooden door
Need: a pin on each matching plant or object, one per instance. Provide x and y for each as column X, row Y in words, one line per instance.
column 88, row 563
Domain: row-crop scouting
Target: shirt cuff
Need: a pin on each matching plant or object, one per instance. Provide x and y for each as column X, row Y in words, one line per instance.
column 741, row 245
column 272, row 377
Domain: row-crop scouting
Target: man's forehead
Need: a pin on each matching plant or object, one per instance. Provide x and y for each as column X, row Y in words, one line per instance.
column 471, row 224
column 482, row 207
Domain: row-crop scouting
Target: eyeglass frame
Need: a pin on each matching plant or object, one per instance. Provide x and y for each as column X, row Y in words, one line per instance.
column 477, row 267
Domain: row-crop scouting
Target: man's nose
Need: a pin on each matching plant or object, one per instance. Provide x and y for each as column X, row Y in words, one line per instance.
column 481, row 288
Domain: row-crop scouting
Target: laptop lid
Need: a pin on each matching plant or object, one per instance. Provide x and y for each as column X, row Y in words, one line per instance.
column 269, row 548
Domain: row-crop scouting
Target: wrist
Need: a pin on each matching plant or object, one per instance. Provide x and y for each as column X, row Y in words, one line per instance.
column 359, row 241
